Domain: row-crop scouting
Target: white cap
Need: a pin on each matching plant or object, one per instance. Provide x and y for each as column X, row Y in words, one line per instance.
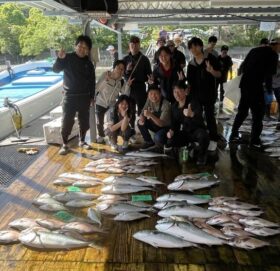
column 110, row 47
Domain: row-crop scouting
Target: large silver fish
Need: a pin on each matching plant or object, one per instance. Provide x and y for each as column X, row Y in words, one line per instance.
column 196, row 176
column 23, row 223
column 104, row 170
column 150, row 179
column 166, row 204
column 209, row 229
column 82, row 227
column 54, row 207
column 219, row 219
column 79, row 203
column 78, row 177
column 161, row 239
column 233, row 232
column 8, row 236
column 221, row 200
column 125, row 180
column 240, row 205
column 190, row 199
column 187, row 210
column 45, row 200
column 86, row 184
column 189, row 185
column 262, row 231
column 275, row 149
column 247, row 243
column 145, row 154
column 257, row 222
column 94, row 215
column 50, row 240
column 119, row 207
column 130, row 216
column 51, row 224
column 123, row 189
column 67, row 196
column 112, row 197
column 189, row 232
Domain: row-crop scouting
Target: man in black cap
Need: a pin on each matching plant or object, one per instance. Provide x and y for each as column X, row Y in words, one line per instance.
column 138, row 68
column 258, row 67
column 226, row 66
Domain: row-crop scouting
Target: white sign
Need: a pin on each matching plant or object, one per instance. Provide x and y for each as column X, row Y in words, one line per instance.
column 267, row 26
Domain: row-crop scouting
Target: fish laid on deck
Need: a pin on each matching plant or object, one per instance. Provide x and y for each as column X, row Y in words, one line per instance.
column 189, row 185
column 190, row 199
column 160, row 239
column 130, row 216
column 9, row 236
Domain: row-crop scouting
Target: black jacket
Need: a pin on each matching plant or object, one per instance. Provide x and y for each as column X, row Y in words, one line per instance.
column 188, row 124
column 203, row 85
column 79, row 75
column 258, row 67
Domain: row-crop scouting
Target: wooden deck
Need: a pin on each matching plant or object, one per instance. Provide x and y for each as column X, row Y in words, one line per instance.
column 119, row 251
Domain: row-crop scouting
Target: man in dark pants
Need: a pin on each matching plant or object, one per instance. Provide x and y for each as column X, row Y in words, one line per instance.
column 187, row 125
column 138, row 67
column 202, row 73
column 79, row 89
column 258, row 67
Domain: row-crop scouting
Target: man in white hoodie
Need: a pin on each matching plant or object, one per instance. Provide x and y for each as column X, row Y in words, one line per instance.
column 108, row 88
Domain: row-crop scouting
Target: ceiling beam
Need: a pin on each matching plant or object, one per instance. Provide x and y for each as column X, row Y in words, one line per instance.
column 207, row 11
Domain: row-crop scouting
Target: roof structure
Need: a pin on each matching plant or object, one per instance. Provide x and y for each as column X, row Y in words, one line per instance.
column 177, row 12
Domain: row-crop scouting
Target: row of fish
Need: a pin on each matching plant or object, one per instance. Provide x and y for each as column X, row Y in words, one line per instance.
column 226, row 221
column 120, row 164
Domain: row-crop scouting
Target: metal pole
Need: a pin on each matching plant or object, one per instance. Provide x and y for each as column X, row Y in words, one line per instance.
column 92, row 121
column 120, row 45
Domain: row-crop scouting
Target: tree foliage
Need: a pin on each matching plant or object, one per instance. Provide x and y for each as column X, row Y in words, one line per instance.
column 26, row 31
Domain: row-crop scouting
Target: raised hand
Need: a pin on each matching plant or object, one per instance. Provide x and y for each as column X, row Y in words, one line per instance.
column 181, row 75
column 188, row 111
column 170, row 134
column 61, row 53
column 130, row 81
column 150, row 79
column 209, row 67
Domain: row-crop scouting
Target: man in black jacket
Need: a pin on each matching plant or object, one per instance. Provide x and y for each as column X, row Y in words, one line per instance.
column 79, row 89
column 187, row 125
column 258, row 67
column 202, row 75
column 138, row 68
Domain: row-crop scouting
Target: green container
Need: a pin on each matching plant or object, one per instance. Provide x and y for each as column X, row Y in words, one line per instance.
column 183, row 154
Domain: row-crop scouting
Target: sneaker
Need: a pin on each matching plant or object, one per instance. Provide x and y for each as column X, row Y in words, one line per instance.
column 167, row 149
column 63, row 150
column 235, row 140
column 100, row 140
column 148, row 146
column 85, row 146
column 256, row 147
column 133, row 139
column 212, row 146
column 125, row 144
column 114, row 146
column 201, row 160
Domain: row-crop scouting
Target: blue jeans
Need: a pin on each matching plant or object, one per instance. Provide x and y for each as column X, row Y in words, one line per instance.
column 160, row 132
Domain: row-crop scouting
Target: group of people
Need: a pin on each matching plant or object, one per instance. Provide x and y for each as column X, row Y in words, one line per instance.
column 175, row 106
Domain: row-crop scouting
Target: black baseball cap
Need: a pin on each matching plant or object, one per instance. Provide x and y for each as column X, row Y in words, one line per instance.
column 134, row 39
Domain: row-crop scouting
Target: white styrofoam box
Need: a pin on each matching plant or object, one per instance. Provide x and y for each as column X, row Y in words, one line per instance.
column 52, row 131
column 56, row 112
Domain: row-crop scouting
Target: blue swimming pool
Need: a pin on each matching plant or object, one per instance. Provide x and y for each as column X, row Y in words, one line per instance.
column 25, row 84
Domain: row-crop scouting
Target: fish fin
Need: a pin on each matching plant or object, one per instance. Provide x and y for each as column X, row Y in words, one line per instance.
column 154, row 245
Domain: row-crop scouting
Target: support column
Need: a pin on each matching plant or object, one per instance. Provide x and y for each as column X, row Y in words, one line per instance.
column 92, row 121
column 120, row 45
